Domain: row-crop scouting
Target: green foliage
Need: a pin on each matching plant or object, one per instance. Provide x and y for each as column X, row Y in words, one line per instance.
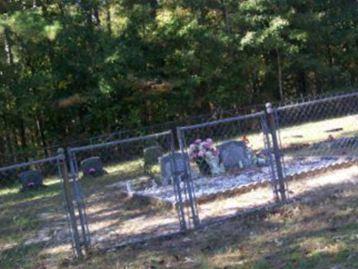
column 72, row 69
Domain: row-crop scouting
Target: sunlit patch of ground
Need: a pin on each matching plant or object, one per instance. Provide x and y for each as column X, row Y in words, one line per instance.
column 231, row 205
column 115, row 218
column 319, row 230
column 306, row 133
column 27, row 218
column 32, row 223
column 300, row 134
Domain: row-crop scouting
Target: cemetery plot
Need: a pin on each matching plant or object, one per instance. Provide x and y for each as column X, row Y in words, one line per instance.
column 242, row 150
column 117, row 217
column 225, row 160
column 208, row 188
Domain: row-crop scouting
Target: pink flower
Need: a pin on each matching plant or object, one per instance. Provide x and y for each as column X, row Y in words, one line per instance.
column 92, row 171
column 193, row 155
column 209, row 141
column 202, row 149
column 206, row 145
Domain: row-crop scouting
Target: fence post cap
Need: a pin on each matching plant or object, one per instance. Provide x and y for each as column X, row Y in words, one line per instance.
column 268, row 107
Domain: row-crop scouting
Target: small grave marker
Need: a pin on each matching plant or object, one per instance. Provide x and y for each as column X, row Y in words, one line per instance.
column 234, row 154
column 151, row 156
column 31, row 179
column 92, row 167
column 173, row 164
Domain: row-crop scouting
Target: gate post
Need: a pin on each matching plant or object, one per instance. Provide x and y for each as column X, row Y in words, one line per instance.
column 177, row 188
column 276, row 152
column 189, row 186
column 79, row 201
column 69, row 203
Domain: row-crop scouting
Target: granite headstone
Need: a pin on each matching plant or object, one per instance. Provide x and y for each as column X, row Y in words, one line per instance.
column 92, row 167
column 173, row 164
column 234, row 154
column 31, row 179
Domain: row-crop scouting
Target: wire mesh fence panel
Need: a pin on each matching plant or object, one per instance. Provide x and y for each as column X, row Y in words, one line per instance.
column 228, row 158
column 319, row 134
column 33, row 215
column 129, row 190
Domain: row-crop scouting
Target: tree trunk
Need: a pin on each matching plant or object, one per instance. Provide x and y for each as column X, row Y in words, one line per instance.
column 279, row 74
column 96, row 15
column 302, row 86
column 331, row 63
column 61, row 8
column 40, row 128
column 108, row 17
column 23, row 134
column 226, row 16
column 154, row 7
column 8, row 145
column 318, row 84
column 8, row 47
column 254, row 86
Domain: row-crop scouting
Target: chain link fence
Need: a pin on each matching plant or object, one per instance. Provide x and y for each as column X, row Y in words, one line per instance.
column 33, row 212
column 229, row 157
column 318, row 134
column 233, row 155
column 129, row 190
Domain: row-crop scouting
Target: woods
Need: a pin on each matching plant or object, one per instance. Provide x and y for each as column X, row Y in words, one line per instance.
column 73, row 69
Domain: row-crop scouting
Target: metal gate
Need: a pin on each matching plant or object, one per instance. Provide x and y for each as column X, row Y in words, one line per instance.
column 248, row 156
column 46, row 178
column 129, row 190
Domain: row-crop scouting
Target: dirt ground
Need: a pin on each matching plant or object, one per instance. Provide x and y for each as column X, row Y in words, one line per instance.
column 114, row 217
column 117, row 219
column 318, row 229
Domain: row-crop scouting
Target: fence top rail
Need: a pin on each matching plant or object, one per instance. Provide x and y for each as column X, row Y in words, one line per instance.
column 25, row 164
column 117, row 142
column 318, row 101
column 227, row 120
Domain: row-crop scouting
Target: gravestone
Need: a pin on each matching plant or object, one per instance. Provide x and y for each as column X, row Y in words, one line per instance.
column 151, row 156
column 31, row 179
column 234, row 154
column 92, row 167
column 173, row 164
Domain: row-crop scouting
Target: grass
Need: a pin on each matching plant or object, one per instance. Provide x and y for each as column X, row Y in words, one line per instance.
column 23, row 216
column 307, row 133
column 319, row 230
column 320, row 233
column 313, row 132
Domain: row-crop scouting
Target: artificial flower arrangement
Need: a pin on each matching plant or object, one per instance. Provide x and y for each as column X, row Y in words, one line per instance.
column 206, row 156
